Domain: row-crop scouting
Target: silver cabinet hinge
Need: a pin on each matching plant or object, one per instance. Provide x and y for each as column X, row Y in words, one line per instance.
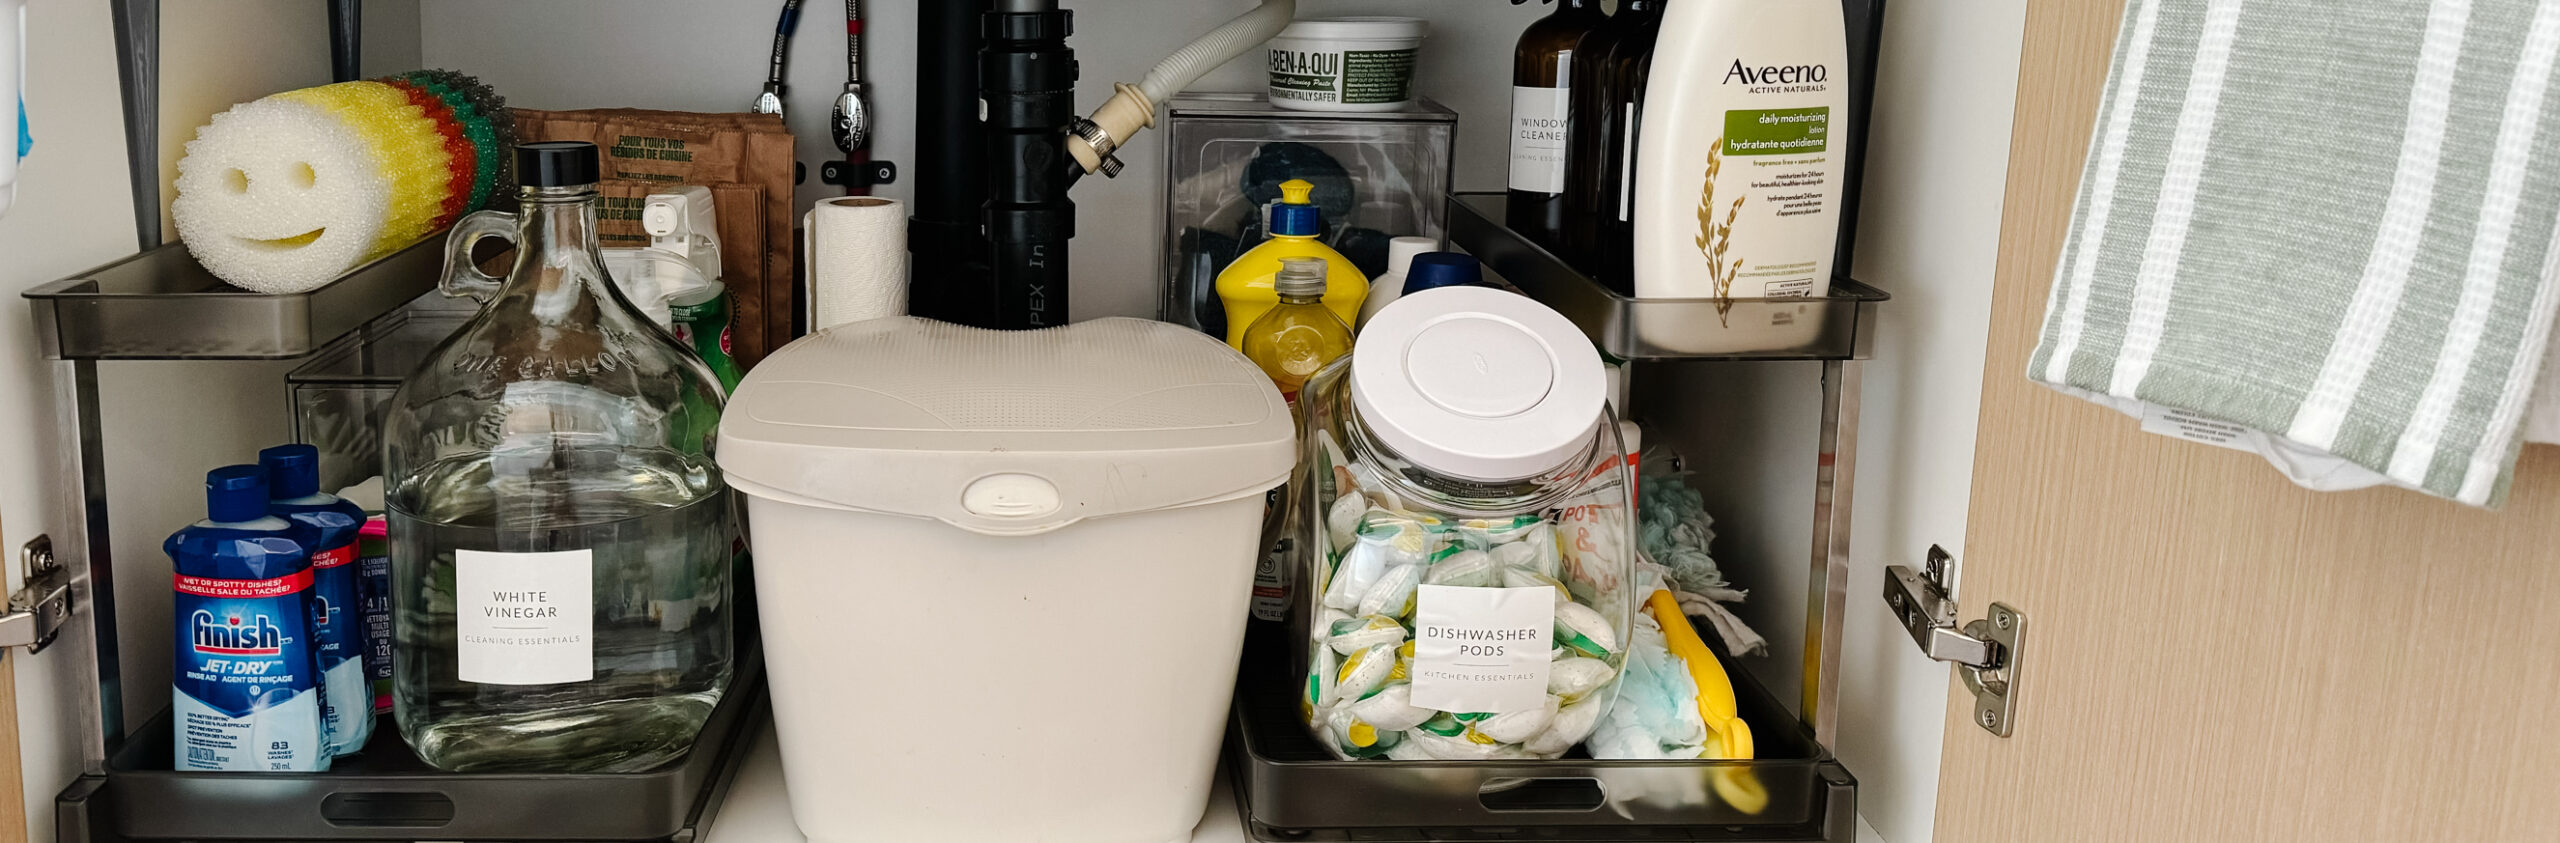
column 1985, row 652
column 40, row 606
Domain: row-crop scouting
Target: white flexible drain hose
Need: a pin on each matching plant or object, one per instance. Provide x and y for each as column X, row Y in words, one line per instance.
column 1133, row 107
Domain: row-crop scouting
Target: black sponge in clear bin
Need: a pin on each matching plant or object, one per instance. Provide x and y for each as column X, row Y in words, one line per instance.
column 1281, row 161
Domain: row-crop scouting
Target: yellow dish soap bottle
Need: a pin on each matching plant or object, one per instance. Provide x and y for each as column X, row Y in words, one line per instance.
column 1300, row 334
column 1245, row 286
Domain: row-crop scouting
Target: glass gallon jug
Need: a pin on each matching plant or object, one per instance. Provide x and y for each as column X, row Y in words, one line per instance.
column 560, row 536
column 1470, row 580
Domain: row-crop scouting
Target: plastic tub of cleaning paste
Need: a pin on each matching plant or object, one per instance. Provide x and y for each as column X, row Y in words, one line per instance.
column 1345, row 64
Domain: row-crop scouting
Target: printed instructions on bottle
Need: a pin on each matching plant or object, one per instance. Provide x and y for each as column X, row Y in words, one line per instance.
column 1779, row 156
column 1538, row 123
column 1482, row 649
column 525, row 618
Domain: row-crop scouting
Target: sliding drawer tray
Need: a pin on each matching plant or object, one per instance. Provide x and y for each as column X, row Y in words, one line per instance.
column 162, row 305
column 387, row 793
column 1840, row 326
column 1289, row 788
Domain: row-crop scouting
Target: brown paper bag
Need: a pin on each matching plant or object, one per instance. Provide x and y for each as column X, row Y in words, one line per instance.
column 748, row 162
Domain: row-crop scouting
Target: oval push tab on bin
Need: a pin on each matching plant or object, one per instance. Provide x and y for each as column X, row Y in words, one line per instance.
column 1010, row 496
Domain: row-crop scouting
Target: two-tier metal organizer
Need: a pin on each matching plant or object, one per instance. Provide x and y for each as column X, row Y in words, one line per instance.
column 1290, row 789
column 161, row 305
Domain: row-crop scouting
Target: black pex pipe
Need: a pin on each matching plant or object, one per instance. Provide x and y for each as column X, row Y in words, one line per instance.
column 1027, row 78
column 948, row 254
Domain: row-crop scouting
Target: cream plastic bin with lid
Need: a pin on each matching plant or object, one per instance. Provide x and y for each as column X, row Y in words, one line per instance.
column 1003, row 576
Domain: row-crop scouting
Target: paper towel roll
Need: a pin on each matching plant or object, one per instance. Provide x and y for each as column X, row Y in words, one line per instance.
column 857, row 259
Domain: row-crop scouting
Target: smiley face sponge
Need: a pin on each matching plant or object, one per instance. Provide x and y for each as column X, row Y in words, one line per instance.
column 286, row 193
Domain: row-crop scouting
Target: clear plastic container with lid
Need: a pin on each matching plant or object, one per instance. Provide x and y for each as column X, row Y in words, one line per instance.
column 1472, row 550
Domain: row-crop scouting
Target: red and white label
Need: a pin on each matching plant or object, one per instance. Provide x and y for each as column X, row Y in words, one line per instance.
column 344, row 555
column 210, row 587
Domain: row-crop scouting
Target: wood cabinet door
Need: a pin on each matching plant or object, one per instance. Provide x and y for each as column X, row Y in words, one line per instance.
column 2215, row 654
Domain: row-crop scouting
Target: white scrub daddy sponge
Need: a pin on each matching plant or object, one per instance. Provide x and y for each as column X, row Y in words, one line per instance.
column 279, row 196
column 284, row 194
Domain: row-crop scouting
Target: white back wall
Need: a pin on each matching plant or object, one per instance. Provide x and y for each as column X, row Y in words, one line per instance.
column 1936, row 170
column 1937, row 167
column 72, row 212
column 711, row 56
column 166, row 422
column 1929, row 230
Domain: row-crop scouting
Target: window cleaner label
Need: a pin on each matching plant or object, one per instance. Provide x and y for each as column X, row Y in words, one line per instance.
column 1540, row 117
column 1482, row 649
column 525, row 618
column 247, row 690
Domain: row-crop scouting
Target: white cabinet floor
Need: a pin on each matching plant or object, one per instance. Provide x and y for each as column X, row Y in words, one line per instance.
column 758, row 810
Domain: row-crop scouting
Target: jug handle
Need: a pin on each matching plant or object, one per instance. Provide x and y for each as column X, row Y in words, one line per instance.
column 462, row 278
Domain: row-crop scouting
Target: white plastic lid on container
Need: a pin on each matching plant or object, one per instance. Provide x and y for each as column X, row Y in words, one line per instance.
column 1478, row 383
column 1358, row 28
column 1006, row 432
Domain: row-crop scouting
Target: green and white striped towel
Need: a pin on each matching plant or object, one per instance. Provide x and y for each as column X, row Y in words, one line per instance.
column 2330, row 224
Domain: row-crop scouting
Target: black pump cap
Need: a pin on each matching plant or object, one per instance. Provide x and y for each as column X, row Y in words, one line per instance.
column 557, row 164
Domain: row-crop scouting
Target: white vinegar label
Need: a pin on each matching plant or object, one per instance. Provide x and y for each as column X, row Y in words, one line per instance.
column 1539, row 120
column 525, row 618
column 1482, row 649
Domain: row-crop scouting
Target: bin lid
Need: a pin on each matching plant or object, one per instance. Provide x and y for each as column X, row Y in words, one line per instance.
column 1006, row 432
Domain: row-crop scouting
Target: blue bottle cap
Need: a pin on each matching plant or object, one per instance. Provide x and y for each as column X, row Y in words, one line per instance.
column 1296, row 220
column 293, row 471
column 1434, row 270
column 1296, row 215
column 235, row 493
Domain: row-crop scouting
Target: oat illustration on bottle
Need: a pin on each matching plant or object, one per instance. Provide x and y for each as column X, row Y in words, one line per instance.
column 1714, row 238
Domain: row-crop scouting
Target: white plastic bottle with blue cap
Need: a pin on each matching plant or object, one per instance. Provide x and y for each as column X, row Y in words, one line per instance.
column 1385, row 288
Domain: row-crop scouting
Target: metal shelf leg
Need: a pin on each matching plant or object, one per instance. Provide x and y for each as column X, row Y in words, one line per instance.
column 87, row 554
column 1827, row 594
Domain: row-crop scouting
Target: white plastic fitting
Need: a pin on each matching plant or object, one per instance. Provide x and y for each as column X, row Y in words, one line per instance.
column 1133, row 107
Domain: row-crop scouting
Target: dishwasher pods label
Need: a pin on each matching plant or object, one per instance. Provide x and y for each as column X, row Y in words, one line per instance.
column 525, row 618
column 1482, row 649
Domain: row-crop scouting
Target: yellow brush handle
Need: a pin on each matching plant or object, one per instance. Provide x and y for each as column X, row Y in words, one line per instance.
column 1729, row 737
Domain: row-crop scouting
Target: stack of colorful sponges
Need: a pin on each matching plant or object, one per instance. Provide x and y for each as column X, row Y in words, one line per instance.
column 477, row 125
column 288, row 192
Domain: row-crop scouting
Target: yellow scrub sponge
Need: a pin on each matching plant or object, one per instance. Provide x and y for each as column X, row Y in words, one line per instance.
column 408, row 148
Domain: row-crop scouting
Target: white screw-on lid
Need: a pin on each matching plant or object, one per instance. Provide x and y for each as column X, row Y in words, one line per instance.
column 1478, row 383
column 1358, row 28
column 1300, row 277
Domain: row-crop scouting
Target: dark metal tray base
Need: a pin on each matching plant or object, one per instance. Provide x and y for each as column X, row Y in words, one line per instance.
column 1289, row 789
column 387, row 793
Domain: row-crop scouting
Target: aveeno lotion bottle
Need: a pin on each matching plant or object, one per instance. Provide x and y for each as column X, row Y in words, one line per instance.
column 1739, row 164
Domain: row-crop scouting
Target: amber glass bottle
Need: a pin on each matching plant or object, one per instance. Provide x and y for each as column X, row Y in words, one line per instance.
column 1542, row 118
column 1608, row 74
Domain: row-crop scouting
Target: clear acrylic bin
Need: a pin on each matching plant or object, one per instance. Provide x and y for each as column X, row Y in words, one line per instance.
column 1378, row 176
column 339, row 394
